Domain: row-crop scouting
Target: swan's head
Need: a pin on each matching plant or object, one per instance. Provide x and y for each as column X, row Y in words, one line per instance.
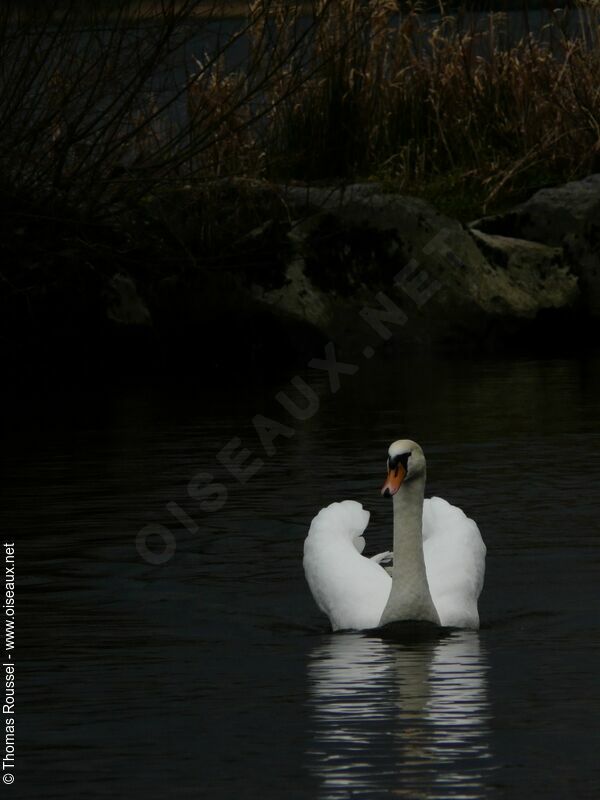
column 405, row 461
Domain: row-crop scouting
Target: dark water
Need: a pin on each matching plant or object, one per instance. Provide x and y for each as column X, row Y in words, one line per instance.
column 214, row 675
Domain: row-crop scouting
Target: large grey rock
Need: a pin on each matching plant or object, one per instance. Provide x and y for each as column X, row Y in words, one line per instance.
column 356, row 242
column 536, row 270
column 566, row 216
column 125, row 306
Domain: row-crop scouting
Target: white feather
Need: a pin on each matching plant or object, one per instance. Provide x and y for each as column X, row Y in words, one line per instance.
column 455, row 562
column 351, row 589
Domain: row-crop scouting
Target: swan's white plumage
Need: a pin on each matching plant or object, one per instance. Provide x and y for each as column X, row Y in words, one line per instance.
column 455, row 562
column 353, row 590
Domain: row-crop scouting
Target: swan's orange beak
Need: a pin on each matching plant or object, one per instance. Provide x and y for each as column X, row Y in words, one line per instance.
column 393, row 481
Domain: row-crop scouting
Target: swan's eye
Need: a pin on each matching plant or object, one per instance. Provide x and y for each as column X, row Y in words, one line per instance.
column 401, row 458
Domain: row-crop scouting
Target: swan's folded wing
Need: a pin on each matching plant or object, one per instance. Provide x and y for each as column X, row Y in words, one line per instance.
column 351, row 589
column 455, row 562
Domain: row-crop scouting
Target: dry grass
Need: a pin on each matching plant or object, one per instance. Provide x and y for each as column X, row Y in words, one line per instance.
column 94, row 120
column 421, row 104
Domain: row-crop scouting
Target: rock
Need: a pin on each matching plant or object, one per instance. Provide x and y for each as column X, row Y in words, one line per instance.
column 565, row 216
column 537, row 272
column 448, row 281
column 125, row 306
column 298, row 296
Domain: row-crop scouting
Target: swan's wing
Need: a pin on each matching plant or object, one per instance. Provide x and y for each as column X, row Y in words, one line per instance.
column 455, row 562
column 351, row 589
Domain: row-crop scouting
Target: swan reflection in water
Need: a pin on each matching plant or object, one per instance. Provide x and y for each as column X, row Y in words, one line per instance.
column 411, row 720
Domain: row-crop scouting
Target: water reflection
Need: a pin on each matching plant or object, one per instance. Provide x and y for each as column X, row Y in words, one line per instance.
column 410, row 719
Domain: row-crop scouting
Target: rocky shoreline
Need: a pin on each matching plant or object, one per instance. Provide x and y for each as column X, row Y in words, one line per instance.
column 360, row 266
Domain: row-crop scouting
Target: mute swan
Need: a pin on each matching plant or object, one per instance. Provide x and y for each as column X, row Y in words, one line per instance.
column 439, row 556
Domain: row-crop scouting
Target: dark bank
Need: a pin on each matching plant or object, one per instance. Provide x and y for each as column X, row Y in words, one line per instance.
column 157, row 172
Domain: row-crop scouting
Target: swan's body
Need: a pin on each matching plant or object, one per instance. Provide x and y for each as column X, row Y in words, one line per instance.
column 439, row 557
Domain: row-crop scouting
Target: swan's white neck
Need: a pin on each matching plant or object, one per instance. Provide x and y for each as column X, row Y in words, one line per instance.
column 410, row 598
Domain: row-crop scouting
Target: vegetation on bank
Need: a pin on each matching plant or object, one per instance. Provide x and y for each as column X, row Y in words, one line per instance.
column 96, row 119
column 146, row 138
